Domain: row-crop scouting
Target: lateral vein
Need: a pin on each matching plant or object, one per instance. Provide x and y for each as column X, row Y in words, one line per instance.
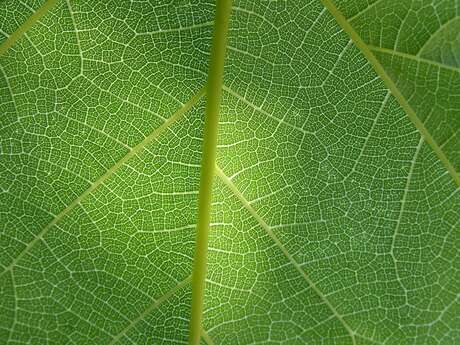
column 206, row 337
column 390, row 84
column 284, row 250
column 21, row 30
column 413, row 57
column 135, row 150
column 156, row 303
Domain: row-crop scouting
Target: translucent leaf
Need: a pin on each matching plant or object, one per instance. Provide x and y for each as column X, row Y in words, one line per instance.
column 336, row 203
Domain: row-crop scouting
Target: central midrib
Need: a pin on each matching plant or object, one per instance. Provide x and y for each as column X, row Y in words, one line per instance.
column 213, row 94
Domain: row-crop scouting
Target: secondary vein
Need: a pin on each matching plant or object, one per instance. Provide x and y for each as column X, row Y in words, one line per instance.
column 156, row 303
column 20, row 31
column 206, row 337
column 214, row 94
column 135, row 150
column 390, row 84
column 284, row 250
column 413, row 57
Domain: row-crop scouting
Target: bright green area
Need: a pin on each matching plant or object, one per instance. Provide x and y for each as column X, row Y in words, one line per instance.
column 333, row 221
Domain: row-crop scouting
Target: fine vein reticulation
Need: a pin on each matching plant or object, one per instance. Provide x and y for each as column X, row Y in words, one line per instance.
column 324, row 215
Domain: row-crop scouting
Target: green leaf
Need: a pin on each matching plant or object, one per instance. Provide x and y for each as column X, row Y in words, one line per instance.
column 335, row 200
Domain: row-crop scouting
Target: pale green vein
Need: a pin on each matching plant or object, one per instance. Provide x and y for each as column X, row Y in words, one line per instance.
column 402, row 210
column 8, row 84
column 214, row 95
column 413, row 57
column 15, row 308
column 15, row 36
column 284, row 250
column 435, row 34
column 135, row 150
column 369, row 339
column 369, row 7
column 156, row 303
column 77, row 35
column 390, row 84
column 206, row 337
column 179, row 29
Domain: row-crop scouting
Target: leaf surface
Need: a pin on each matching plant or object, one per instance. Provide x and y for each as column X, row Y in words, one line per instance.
column 335, row 219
